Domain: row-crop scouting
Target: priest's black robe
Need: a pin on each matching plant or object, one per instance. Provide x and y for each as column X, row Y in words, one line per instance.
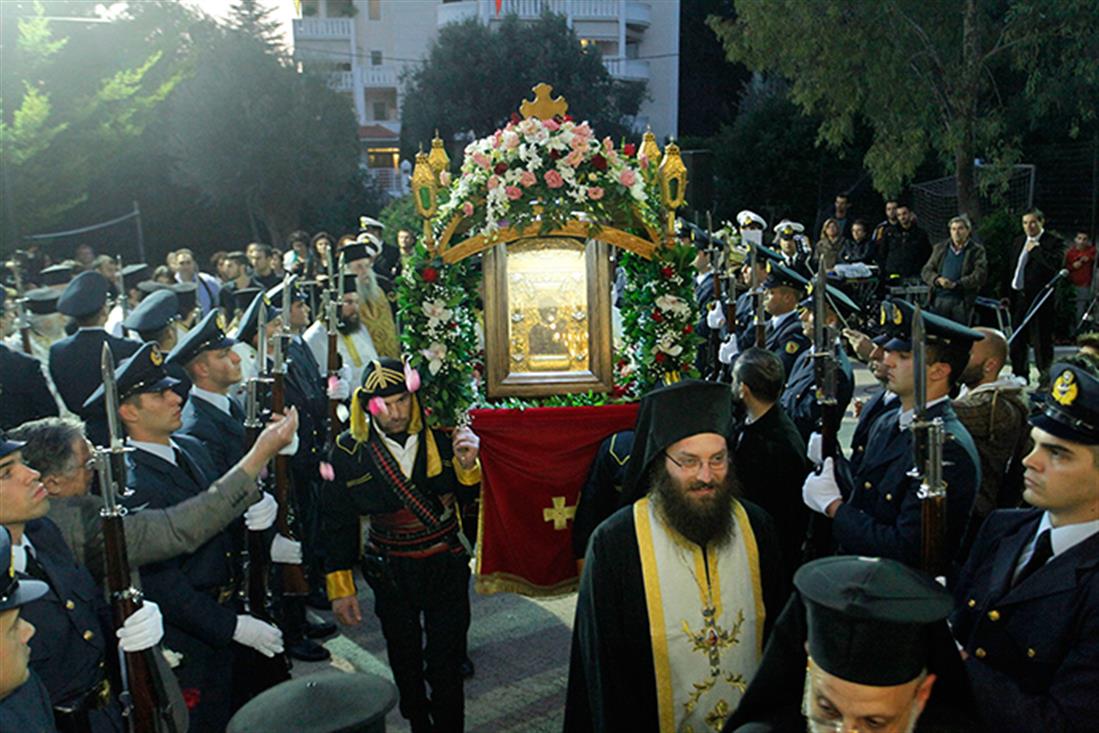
column 612, row 680
column 772, row 701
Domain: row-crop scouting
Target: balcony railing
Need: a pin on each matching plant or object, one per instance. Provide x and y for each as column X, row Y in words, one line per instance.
column 322, row 28
column 637, row 13
column 379, row 76
column 627, row 69
column 341, row 81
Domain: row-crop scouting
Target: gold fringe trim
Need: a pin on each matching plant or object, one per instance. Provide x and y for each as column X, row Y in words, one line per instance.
column 486, row 585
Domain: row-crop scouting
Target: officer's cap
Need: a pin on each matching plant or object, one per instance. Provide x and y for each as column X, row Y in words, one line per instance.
column 41, row 301
column 326, row 702
column 838, row 301
column 55, row 274
column 372, row 244
column 187, row 293
column 148, row 287
column 296, row 292
column 366, row 222
column 249, row 322
column 1071, row 408
column 15, row 592
column 134, row 273
column 154, row 312
column 142, row 373
column 208, row 335
column 781, row 276
column 84, row 296
column 897, row 316
column 747, row 217
column 786, row 229
column 8, row 446
column 243, row 297
column 869, row 619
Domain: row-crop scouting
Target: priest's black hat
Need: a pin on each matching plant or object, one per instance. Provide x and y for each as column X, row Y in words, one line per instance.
column 188, row 297
column 670, row 414
column 870, row 619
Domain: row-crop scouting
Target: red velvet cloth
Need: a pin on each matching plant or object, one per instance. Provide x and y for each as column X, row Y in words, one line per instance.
column 528, row 457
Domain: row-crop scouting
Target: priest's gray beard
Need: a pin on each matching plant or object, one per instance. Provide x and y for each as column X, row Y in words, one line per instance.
column 702, row 520
column 367, row 285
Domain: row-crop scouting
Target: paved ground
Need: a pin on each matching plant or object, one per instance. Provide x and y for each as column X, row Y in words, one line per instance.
column 519, row 645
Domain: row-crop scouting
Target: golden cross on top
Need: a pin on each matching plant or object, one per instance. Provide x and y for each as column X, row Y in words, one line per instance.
column 559, row 513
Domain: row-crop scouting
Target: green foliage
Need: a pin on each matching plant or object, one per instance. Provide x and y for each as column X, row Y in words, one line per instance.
column 401, row 214
column 996, row 230
column 926, row 76
column 474, row 77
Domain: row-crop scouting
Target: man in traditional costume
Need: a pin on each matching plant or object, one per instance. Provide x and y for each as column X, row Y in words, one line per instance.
column 678, row 587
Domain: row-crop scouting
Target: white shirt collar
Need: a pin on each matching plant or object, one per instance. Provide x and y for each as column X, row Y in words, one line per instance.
column 165, row 452
column 405, row 455
column 19, row 553
column 906, row 417
column 1065, row 538
column 90, row 328
column 1037, row 238
column 219, row 401
column 777, row 321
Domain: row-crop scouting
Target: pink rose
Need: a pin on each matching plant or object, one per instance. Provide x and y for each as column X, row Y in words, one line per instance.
column 492, row 182
column 554, row 179
column 467, row 209
column 444, row 178
column 627, row 177
column 595, row 193
column 608, row 144
column 643, row 161
column 527, row 179
column 482, row 160
column 575, row 158
column 551, row 124
column 513, row 192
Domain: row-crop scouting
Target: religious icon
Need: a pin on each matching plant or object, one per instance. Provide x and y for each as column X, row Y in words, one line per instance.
column 555, row 294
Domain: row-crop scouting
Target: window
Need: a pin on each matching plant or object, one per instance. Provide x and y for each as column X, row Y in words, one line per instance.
column 380, row 111
column 382, row 157
column 375, row 58
column 374, row 9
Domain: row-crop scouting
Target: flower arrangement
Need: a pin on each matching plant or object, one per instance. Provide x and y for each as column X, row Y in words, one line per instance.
column 658, row 318
column 439, row 332
column 546, row 171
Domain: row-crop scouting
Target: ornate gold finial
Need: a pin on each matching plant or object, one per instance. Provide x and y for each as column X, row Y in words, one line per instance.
column 424, row 194
column 673, row 183
column 544, row 106
column 438, row 158
column 651, row 151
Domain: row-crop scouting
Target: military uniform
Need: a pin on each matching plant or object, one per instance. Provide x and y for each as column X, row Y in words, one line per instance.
column 783, row 335
column 601, row 494
column 799, row 399
column 415, row 562
column 1027, row 600
column 24, row 393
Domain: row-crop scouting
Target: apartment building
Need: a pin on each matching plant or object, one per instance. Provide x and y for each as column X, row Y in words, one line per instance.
column 363, row 45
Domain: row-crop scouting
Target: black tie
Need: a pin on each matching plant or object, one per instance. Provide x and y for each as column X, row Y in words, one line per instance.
column 34, row 568
column 1043, row 551
column 182, row 462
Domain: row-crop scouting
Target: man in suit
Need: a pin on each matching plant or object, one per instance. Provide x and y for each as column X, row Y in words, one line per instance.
column 783, row 289
column 768, row 454
column 74, row 360
column 877, row 512
column 1036, row 258
column 1027, row 602
column 197, row 592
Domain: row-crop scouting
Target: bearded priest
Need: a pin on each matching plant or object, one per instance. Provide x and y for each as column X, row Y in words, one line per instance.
column 679, row 586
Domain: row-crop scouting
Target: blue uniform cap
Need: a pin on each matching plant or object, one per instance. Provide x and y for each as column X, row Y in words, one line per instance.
column 249, row 322
column 897, row 318
column 838, row 300
column 153, row 313
column 781, row 276
column 41, row 301
column 187, row 293
column 141, row 373
column 15, row 591
column 84, row 296
column 208, row 335
column 1070, row 410
column 133, row 274
column 55, row 275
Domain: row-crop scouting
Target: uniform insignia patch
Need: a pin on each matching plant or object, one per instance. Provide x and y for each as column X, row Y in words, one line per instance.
column 1065, row 388
column 156, row 357
column 791, row 347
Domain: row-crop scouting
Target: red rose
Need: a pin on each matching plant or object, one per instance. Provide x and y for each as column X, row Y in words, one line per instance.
column 453, row 326
column 191, row 697
column 688, row 328
column 667, row 271
column 622, row 363
column 515, row 118
column 598, row 162
column 620, row 391
column 629, row 149
column 501, row 169
column 428, row 411
column 660, row 357
column 568, row 118
column 555, row 154
column 429, row 274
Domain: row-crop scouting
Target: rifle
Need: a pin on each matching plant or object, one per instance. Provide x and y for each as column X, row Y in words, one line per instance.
column 754, row 238
column 927, row 442
column 22, row 322
column 123, row 298
column 145, row 703
column 293, row 576
column 335, row 361
column 717, row 267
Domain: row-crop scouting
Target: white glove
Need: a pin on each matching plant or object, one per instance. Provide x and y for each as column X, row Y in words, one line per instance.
column 728, row 350
column 261, row 515
column 259, row 635
column 814, row 447
column 820, row 490
column 142, row 630
column 338, row 388
column 285, row 550
column 290, row 448
column 715, row 317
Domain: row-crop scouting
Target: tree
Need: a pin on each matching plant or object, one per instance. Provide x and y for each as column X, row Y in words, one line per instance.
column 249, row 18
column 473, row 78
column 927, row 76
column 251, row 130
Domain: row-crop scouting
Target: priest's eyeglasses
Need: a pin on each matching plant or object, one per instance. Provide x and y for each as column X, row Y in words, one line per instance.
column 693, row 464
